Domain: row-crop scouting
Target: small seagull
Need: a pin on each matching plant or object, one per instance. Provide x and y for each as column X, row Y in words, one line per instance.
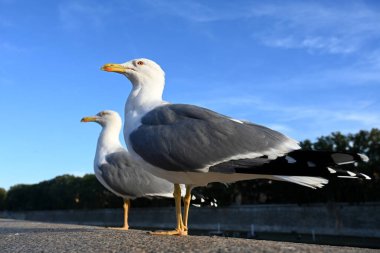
column 115, row 169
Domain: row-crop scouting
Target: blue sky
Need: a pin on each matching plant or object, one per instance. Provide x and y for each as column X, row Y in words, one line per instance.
column 305, row 68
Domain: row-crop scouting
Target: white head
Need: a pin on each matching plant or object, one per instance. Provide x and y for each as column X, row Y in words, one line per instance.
column 105, row 118
column 144, row 74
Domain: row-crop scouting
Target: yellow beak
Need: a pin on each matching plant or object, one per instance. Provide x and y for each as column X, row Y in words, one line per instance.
column 88, row 119
column 113, row 67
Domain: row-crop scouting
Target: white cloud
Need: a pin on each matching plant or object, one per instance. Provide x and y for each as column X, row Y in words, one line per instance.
column 76, row 15
column 365, row 118
column 302, row 121
column 329, row 28
column 326, row 27
column 342, row 112
column 331, row 45
column 282, row 128
column 230, row 101
column 363, row 70
column 198, row 11
column 372, row 59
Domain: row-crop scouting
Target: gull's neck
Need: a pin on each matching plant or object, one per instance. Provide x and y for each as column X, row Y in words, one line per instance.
column 145, row 96
column 108, row 142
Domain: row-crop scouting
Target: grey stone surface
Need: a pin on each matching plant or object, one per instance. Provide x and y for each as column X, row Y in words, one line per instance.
column 24, row 236
column 340, row 219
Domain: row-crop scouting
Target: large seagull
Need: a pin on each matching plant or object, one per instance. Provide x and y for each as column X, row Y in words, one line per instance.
column 191, row 145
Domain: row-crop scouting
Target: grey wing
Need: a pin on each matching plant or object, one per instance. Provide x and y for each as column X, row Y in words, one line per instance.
column 126, row 177
column 112, row 181
column 189, row 138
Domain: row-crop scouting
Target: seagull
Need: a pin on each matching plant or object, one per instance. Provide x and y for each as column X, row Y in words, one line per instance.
column 117, row 171
column 188, row 144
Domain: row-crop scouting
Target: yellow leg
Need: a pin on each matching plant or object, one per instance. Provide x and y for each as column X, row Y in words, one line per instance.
column 186, row 205
column 177, row 198
column 180, row 229
column 126, row 206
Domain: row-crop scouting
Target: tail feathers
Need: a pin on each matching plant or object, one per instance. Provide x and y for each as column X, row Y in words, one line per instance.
column 340, row 173
column 326, row 157
column 199, row 200
column 319, row 182
column 300, row 163
column 312, row 182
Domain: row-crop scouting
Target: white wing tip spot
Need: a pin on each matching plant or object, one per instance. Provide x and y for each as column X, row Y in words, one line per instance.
column 365, row 176
column 290, row 159
column 346, row 177
column 363, row 157
column 332, row 171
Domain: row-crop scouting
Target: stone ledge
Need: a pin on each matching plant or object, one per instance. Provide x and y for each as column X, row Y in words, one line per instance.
column 25, row 236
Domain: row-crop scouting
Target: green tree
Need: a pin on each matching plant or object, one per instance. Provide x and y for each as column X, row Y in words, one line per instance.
column 3, row 194
column 92, row 195
column 17, row 197
column 69, row 192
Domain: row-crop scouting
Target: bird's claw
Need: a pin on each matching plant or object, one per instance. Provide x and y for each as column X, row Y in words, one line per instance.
column 119, row 228
column 178, row 232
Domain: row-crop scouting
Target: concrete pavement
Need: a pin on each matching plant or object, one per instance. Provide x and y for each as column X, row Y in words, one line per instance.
column 26, row 236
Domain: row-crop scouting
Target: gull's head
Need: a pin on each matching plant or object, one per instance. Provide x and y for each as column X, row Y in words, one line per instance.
column 105, row 118
column 139, row 71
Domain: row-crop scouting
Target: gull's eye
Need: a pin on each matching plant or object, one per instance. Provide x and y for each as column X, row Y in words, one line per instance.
column 140, row 63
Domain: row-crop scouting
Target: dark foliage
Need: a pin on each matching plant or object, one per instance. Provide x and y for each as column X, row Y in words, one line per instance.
column 3, row 195
column 68, row 192
column 62, row 192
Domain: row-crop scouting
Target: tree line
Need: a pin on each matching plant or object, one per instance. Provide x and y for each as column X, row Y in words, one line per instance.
column 71, row 192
